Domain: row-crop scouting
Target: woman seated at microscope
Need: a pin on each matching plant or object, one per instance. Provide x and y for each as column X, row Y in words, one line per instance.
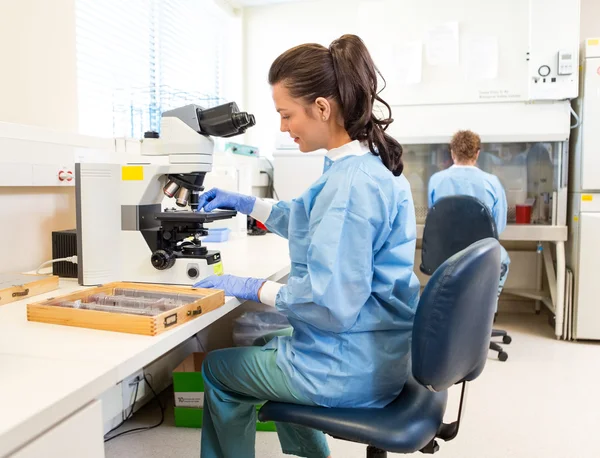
column 466, row 179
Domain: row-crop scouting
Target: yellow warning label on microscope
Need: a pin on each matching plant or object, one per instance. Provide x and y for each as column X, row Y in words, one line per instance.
column 132, row 173
column 218, row 268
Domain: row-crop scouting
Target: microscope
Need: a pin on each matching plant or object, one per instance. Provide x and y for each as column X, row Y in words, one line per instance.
column 123, row 231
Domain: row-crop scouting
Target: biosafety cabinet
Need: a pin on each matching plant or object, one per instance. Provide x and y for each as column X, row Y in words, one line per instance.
column 530, row 171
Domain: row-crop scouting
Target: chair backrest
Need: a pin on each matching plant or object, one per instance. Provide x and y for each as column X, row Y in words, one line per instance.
column 454, row 317
column 453, row 223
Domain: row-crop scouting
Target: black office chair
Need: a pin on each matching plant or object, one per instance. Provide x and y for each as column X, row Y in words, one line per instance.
column 453, row 224
column 449, row 346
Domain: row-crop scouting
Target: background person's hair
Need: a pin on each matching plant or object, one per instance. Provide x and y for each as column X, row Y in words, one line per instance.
column 464, row 145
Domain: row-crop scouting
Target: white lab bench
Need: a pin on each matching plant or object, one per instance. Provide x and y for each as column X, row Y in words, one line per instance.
column 546, row 235
column 51, row 376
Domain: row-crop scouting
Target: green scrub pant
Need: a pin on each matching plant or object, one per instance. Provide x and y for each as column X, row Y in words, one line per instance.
column 235, row 381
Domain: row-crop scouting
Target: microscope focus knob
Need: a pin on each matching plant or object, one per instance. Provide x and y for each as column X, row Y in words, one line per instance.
column 162, row 260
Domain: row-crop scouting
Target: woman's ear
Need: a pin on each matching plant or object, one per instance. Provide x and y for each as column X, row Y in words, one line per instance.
column 323, row 108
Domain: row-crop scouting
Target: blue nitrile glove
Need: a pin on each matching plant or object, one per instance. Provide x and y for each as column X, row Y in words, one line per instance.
column 240, row 287
column 216, row 198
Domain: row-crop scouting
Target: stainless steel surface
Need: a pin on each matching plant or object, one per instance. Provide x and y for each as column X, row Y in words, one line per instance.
column 525, row 233
column 421, row 213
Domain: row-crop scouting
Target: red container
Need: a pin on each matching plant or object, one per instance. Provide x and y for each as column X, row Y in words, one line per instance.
column 523, row 214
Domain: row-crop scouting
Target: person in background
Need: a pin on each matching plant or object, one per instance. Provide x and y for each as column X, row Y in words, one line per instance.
column 352, row 292
column 466, row 179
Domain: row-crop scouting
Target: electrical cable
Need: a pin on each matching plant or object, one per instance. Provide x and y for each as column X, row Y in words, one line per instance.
column 271, row 179
column 137, row 386
column 130, row 414
column 72, row 259
column 144, row 428
column 270, row 186
column 577, row 118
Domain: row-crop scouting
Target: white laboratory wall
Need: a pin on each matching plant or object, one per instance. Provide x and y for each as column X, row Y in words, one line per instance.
column 37, row 87
column 38, row 78
column 270, row 30
column 233, row 74
column 590, row 18
column 28, row 218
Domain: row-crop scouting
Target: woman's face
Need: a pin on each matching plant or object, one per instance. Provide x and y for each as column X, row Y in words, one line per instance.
column 301, row 121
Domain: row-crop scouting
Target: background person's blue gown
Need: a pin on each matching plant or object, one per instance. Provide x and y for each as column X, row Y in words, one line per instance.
column 472, row 181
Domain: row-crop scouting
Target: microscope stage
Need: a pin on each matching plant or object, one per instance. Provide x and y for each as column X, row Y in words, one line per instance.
column 186, row 216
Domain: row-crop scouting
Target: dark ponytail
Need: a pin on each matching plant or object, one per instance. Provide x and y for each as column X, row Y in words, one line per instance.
column 346, row 73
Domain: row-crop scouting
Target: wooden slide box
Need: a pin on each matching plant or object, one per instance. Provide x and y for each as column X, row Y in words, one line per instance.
column 14, row 287
column 208, row 300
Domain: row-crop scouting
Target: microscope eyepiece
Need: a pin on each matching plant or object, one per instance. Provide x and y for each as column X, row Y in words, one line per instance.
column 242, row 120
column 224, row 120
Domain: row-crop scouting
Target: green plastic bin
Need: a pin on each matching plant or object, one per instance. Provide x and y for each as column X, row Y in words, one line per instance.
column 188, row 386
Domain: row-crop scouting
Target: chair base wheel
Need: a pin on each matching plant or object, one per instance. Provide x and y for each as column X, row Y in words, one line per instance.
column 374, row 452
column 431, row 448
column 502, row 356
column 506, row 339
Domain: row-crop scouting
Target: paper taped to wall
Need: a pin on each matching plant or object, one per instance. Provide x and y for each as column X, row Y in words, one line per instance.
column 442, row 44
column 408, row 59
column 481, row 58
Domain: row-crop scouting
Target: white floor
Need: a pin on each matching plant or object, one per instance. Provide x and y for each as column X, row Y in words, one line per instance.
column 543, row 402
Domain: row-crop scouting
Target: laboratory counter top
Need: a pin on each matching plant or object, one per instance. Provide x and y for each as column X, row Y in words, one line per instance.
column 50, row 371
column 525, row 233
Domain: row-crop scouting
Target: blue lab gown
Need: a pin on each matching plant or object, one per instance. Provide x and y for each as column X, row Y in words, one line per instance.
column 352, row 293
column 474, row 182
column 351, row 299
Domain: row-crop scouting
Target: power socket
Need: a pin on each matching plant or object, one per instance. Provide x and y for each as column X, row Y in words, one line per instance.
column 128, row 387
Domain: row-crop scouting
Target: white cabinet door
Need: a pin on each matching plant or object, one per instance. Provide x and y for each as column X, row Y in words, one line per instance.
column 80, row 435
column 590, row 144
column 588, row 300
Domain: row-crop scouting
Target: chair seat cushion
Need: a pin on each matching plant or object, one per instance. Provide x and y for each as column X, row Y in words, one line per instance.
column 404, row 426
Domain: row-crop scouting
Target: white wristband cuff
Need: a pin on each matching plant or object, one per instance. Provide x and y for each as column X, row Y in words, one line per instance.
column 269, row 291
column 261, row 211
